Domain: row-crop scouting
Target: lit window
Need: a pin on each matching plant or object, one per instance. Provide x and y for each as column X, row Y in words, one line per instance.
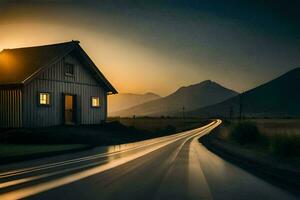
column 95, row 102
column 44, row 98
column 69, row 69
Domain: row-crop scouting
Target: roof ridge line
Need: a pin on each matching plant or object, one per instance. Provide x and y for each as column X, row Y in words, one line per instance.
column 47, row 45
column 46, row 65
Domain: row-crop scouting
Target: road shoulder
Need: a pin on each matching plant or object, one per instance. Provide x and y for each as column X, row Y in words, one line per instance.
column 263, row 167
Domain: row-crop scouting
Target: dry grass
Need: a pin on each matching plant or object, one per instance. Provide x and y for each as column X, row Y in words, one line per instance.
column 245, row 133
column 280, row 137
column 283, row 136
column 160, row 124
column 125, row 131
column 270, row 127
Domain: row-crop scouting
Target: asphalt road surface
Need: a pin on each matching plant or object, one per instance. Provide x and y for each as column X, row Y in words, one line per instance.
column 171, row 167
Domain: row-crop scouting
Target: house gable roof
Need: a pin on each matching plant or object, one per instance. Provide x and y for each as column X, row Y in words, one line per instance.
column 19, row 66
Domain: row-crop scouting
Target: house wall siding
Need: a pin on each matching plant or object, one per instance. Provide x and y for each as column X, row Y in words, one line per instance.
column 10, row 108
column 54, row 81
column 57, row 72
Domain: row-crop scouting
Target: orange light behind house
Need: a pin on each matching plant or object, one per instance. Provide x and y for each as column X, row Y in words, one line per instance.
column 6, row 61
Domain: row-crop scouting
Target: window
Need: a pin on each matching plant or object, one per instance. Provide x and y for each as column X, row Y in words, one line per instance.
column 69, row 69
column 95, row 102
column 44, row 98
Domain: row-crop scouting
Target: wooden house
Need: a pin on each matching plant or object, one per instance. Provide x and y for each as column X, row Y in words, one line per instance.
column 51, row 85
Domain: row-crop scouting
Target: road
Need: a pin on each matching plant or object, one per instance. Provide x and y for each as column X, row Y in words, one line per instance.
column 171, row 167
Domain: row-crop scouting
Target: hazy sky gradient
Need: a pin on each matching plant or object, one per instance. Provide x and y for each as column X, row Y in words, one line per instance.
column 158, row 46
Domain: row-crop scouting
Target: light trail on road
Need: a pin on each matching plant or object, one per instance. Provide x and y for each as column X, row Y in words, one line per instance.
column 170, row 167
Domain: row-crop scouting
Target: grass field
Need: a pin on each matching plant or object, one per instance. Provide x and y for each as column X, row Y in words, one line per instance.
column 116, row 131
column 29, row 142
column 276, row 126
column 280, row 137
column 161, row 124
column 273, row 126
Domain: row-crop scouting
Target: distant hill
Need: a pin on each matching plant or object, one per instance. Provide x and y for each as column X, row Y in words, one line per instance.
column 277, row 98
column 123, row 101
column 191, row 97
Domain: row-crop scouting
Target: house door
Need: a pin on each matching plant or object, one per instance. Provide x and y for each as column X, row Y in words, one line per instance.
column 69, row 109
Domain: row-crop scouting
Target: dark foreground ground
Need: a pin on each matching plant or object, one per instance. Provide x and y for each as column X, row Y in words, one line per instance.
column 172, row 167
column 23, row 144
column 267, row 148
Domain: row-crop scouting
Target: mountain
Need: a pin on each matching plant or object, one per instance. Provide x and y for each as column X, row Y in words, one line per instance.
column 278, row 98
column 123, row 101
column 191, row 97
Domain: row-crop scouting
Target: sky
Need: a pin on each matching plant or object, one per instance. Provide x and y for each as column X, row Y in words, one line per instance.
column 160, row 45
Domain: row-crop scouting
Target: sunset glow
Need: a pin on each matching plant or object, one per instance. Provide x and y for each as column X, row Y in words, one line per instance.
column 149, row 99
column 139, row 50
column 6, row 61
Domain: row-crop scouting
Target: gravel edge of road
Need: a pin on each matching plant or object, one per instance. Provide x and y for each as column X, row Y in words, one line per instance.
column 286, row 179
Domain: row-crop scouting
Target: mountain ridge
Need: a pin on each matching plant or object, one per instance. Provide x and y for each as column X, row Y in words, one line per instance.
column 278, row 97
column 126, row 100
column 190, row 97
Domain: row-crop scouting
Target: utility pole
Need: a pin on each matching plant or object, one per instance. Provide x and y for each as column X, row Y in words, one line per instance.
column 133, row 121
column 241, row 106
column 183, row 115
